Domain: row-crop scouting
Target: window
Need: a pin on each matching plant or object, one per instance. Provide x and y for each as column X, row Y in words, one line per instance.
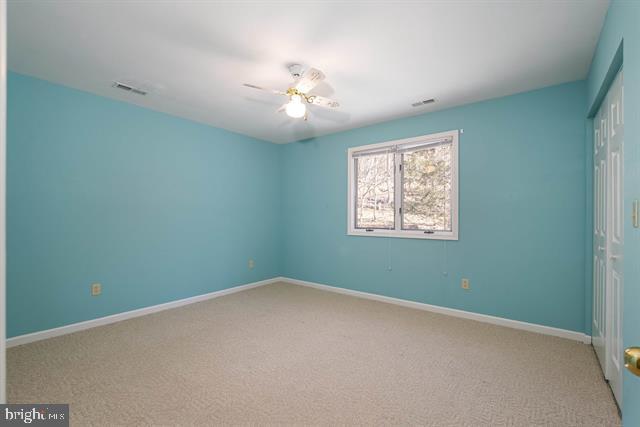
column 405, row 188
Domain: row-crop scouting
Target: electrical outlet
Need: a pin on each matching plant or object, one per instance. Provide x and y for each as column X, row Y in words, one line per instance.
column 465, row 284
column 252, row 264
column 96, row 289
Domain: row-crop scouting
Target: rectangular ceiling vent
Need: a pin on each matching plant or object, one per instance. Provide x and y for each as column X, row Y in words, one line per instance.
column 129, row 88
column 424, row 102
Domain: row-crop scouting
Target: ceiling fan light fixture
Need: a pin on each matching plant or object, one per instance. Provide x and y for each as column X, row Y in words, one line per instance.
column 295, row 108
column 298, row 92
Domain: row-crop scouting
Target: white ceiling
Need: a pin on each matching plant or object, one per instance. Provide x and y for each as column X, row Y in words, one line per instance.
column 378, row 57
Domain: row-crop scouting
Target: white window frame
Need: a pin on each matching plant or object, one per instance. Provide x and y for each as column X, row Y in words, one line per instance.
column 397, row 231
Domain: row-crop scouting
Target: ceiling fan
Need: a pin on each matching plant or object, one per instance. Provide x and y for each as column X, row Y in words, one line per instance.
column 299, row 94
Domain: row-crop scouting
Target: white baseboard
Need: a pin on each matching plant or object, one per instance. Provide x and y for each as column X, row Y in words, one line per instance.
column 515, row 324
column 75, row 327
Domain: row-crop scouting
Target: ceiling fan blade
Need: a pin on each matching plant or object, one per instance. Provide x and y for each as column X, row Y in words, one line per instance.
column 277, row 92
column 323, row 102
column 309, row 80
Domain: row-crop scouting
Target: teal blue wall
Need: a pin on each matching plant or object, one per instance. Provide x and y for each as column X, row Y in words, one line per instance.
column 154, row 207
column 144, row 203
column 522, row 212
column 619, row 44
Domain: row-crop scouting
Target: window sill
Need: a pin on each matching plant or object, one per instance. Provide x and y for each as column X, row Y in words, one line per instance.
column 404, row 234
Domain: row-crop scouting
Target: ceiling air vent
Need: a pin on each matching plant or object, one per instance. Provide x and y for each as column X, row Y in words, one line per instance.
column 424, row 102
column 129, row 88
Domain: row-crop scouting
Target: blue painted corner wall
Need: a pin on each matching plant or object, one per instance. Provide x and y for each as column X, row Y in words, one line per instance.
column 158, row 208
column 522, row 212
column 154, row 207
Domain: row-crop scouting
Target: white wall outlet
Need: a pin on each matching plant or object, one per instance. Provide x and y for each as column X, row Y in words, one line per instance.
column 465, row 284
column 252, row 264
column 96, row 289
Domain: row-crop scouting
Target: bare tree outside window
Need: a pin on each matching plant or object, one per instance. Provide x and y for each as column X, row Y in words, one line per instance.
column 426, row 189
column 375, row 191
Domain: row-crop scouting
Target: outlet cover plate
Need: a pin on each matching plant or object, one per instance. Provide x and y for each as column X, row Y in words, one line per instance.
column 96, row 289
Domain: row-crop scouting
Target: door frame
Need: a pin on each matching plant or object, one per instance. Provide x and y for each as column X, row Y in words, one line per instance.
column 3, row 174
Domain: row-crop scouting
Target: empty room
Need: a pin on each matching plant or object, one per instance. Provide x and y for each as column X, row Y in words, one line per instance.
column 320, row 213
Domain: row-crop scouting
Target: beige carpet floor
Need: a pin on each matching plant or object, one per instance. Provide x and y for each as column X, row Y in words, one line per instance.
column 285, row 354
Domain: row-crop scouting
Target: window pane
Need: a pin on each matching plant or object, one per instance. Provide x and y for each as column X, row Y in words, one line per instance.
column 374, row 191
column 426, row 189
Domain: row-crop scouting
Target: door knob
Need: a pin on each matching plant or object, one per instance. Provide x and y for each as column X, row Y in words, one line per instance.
column 632, row 360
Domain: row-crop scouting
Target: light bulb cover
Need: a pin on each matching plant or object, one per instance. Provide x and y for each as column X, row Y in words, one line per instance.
column 295, row 108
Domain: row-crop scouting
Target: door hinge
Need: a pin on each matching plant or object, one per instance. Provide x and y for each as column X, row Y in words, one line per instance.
column 635, row 214
column 400, row 211
column 400, row 167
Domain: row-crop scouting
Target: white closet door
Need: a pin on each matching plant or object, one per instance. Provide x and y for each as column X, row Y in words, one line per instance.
column 599, row 327
column 615, row 234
